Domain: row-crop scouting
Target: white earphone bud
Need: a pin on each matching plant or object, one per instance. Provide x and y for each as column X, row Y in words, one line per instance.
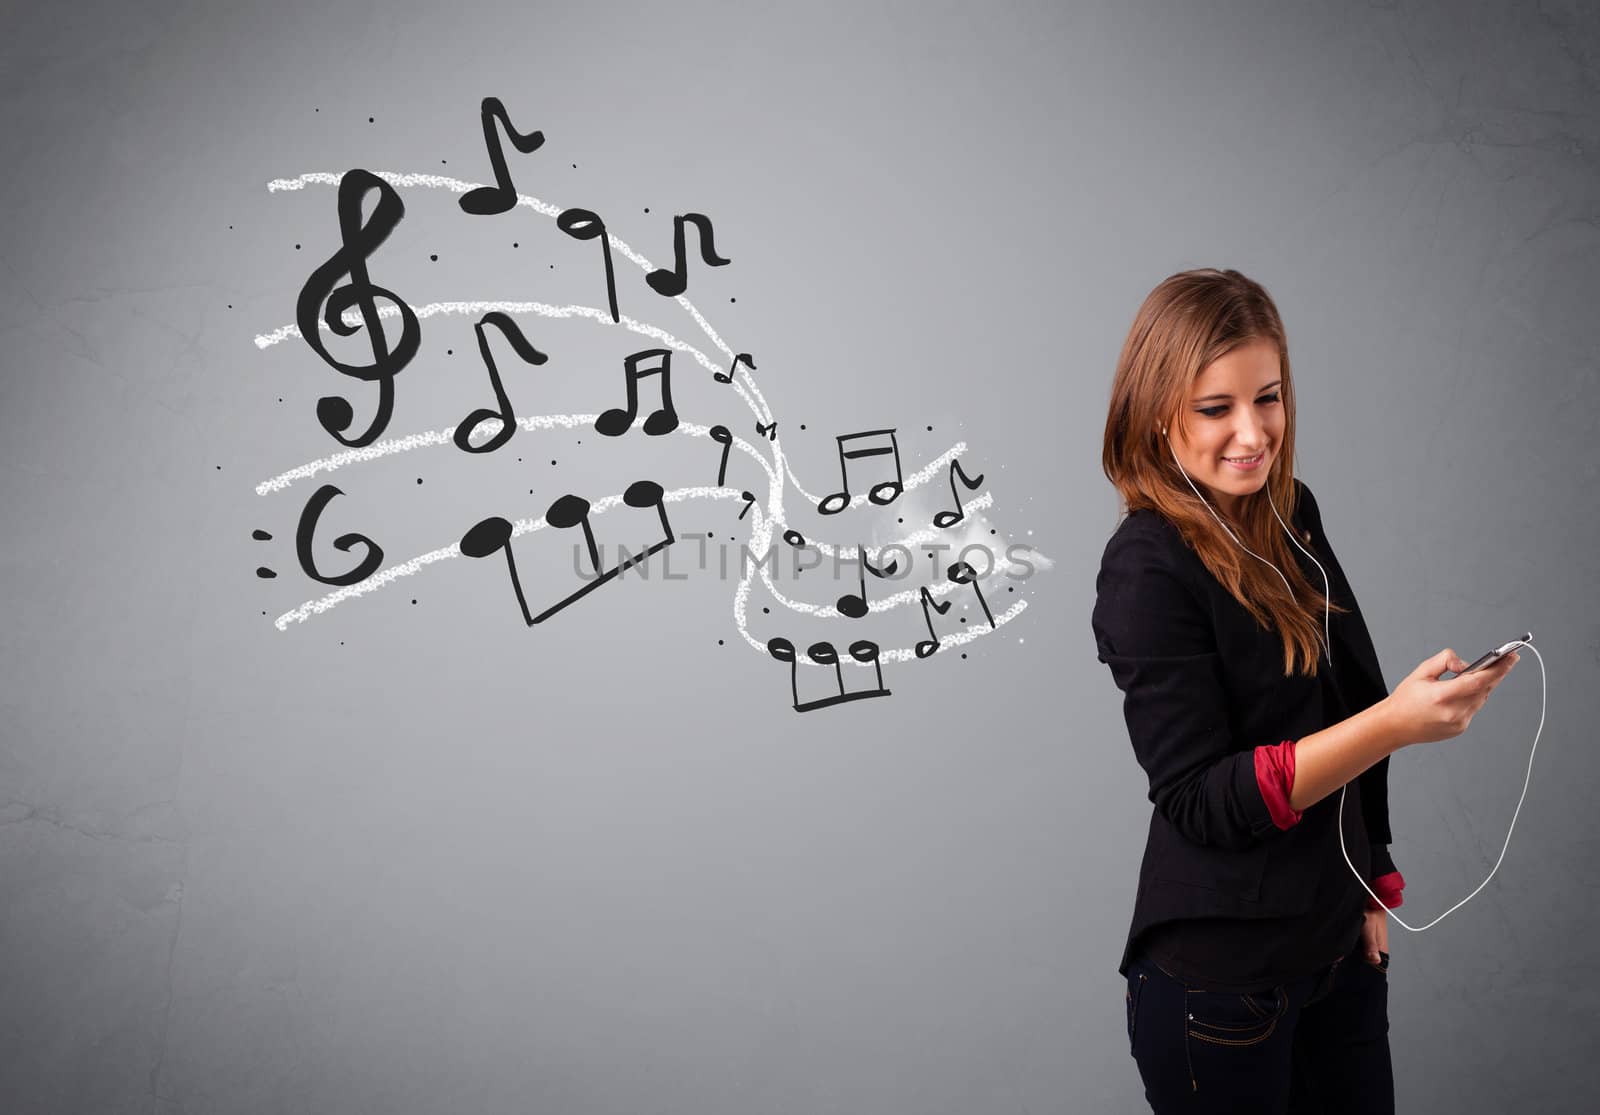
column 1327, row 647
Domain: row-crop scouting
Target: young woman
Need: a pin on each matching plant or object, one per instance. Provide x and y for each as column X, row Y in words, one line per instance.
column 1256, row 962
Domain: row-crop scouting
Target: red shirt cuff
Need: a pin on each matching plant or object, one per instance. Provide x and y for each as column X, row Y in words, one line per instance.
column 1387, row 888
column 1275, row 777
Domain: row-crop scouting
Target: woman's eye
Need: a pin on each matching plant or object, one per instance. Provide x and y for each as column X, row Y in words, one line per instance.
column 1217, row 411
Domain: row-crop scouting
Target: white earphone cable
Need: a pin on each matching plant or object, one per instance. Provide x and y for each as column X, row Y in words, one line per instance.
column 1328, row 651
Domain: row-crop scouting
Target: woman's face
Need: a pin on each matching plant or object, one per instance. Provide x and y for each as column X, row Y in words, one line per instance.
column 1234, row 410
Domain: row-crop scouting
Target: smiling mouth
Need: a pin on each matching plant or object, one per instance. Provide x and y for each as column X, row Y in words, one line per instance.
column 1246, row 460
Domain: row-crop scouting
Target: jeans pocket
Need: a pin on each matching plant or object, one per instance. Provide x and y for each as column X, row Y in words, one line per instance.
column 1230, row 1018
column 1136, row 982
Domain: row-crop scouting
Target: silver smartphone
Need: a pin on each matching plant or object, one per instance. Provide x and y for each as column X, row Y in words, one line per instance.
column 1498, row 653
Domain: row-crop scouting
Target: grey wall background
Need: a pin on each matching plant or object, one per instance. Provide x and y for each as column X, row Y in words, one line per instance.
column 416, row 858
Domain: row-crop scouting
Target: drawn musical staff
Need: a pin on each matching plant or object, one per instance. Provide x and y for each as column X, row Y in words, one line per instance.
column 307, row 531
column 854, row 605
column 508, row 422
column 824, row 654
column 963, row 574
column 582, row 224
column 770, row 431
column 723, row 437
column 743, row 357
column 486, row 201
column 616, row 421
column 494, row 534
column 886, row 492
column 951, row 518
column 358, row 241
column 928, row 646
column 674, row 282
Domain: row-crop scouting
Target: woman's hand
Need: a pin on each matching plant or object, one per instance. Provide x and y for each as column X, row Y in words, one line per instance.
column 1375, row 936
column 1427, row 709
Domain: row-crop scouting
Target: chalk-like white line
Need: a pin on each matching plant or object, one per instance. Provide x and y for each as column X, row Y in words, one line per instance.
column 764, row 524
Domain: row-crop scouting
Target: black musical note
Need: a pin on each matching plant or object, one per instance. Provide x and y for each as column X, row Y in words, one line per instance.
column 928, row 646
column 963, row 574
column 771, row 432
column 487, row 200
column 582, row 224
column 794, row 538
column 854, row 605
column 733, row 368
column 749, row 502
column 674, row 282
column 886, row 492
column 824, row 654
column 615, row 422
column 487, row 536
column 358, row 241
column 723, row 437
column 569, row 511
column 951, row 518
column 508, row 421
column 307, row 530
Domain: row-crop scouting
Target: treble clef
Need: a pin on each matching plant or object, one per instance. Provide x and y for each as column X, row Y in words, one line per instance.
column 359, row 240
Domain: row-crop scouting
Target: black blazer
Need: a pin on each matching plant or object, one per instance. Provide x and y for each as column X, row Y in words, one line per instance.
column 1203, row 686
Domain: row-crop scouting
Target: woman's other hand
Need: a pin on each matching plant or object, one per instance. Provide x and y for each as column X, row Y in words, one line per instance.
column 1375, row 936
column 1426, row 709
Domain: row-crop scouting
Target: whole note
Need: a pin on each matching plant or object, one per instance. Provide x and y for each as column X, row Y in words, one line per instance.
column 358, row 241
column 741, row 358
column 951, row 518
column 674, row 282
column 498, row 198
column 583, row 224
column 307, row 530
column 723, row 437
column 508, row 421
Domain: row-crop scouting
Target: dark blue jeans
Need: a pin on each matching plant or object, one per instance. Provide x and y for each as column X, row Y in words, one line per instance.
column 1318, row 1044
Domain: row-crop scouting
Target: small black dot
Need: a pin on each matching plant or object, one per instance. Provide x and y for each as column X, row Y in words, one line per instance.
column 991, row 530
column 230, row 226
column 369, row 120
column 341, row 642
column 316, row 110
column 263, row 611
column 434, row 258
column 530, row 491
column 519, row 460
column 719, row 642
column 442, row 162
column 514, row 244
column 419, row 480
column 552, row 267
column 552, row 461
column 449, row 352
column 802, row 425
column 930, row 429
column 230, row 305
column 710, row 535
column 733, row 300
column 764, row 611
column 899, row 520
column 1011, row 588
column 297, row 247
column 413, row 599
column 574, row 166
column 963, row 619
column 219, row 468
column 280, row 398
column 963, row 656
column 647, row 209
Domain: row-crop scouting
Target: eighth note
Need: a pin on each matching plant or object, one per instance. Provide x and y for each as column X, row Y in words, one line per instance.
column 928, row 646
column 963, row 574
column 508, row 421
column 951, row 518
column 723, row 437
column 855, row 605
column 582, row 224
column 674, row 282
column 743, row 357
column 487, row 200
column 749, row 502
column 616, row 421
